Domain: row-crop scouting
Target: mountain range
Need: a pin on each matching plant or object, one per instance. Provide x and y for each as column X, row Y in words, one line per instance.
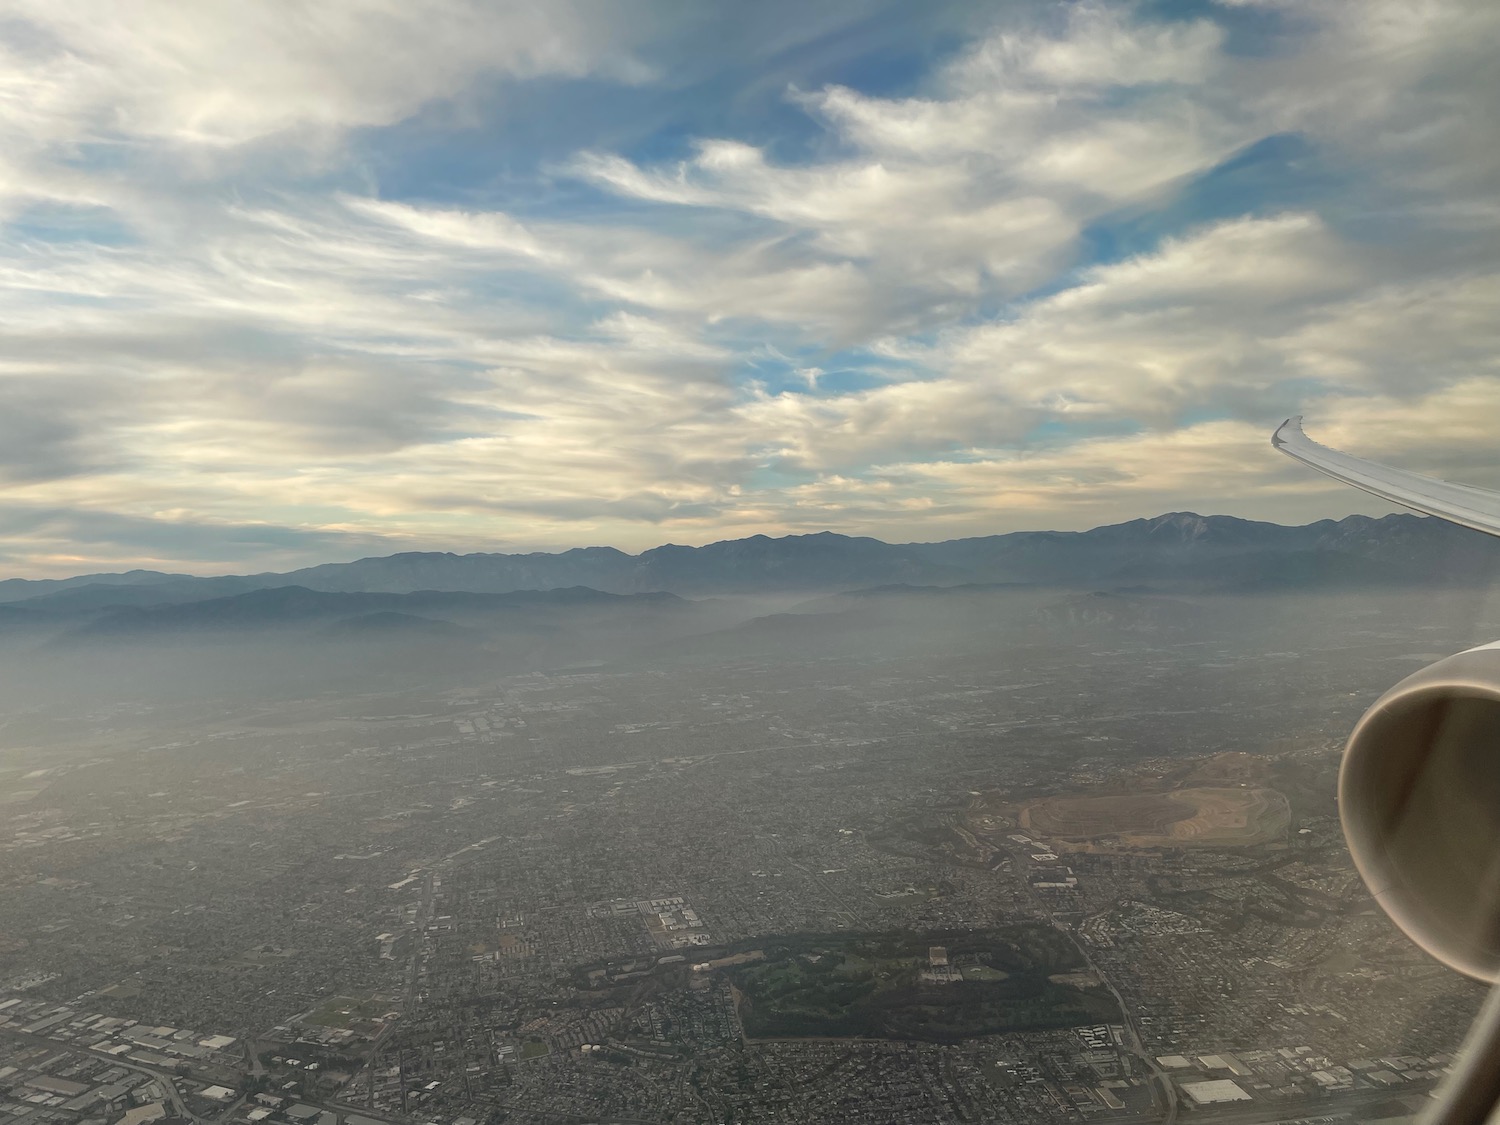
column 437, row 620
column 1180, row 550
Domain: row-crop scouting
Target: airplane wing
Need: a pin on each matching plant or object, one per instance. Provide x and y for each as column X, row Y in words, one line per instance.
column 1464, row 504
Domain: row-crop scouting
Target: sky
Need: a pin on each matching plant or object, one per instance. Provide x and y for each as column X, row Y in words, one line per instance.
column 295, row 282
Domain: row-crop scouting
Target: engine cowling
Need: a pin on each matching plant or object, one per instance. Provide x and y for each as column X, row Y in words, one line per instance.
column 1419, row 796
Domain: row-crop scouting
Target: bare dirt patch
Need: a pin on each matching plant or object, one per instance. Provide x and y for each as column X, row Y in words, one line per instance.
column 1203, row 816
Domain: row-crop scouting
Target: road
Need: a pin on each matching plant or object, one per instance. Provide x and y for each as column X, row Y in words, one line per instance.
column 163, row 1078
column 420, row 923
column 1134, row 1043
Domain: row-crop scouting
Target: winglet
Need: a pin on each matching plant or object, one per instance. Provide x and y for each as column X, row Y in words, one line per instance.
column 1293, row 425
column 1463, row 504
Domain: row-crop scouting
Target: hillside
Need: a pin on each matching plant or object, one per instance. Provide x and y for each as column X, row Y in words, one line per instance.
column 1177, row 550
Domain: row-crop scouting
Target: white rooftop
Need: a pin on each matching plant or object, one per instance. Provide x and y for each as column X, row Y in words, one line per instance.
column 1210, row 1093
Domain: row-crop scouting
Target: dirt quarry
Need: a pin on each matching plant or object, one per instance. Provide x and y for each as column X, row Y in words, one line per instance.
column 1216, row 817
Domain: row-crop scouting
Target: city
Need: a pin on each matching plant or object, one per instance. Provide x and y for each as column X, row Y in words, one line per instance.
column 860, row 887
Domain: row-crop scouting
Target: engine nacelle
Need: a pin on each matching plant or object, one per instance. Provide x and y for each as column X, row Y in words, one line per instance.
column 1419, row 795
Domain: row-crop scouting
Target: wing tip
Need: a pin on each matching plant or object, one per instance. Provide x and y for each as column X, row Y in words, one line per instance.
column 1292, row 427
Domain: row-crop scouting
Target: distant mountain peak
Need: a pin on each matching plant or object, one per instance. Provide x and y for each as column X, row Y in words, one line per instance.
column 1162, row 548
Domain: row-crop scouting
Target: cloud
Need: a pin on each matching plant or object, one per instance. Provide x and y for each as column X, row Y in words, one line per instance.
column 144, row 112
column 979, row 191
column 70, row 538
column 219, row 73
column 1205, row 467
column 1029, row 286
column 1194, row 326
column 46, row 428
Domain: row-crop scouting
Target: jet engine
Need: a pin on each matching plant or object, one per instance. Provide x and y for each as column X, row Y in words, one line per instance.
column 1419, row 795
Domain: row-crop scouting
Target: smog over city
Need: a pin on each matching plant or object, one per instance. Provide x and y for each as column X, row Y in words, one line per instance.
column 657, row 564
column 980, row 828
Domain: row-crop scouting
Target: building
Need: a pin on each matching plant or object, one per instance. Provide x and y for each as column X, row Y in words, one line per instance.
column 1214, row 1092
column 141, row 1114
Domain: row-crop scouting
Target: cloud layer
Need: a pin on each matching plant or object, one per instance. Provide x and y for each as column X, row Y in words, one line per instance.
column 1073, row 270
